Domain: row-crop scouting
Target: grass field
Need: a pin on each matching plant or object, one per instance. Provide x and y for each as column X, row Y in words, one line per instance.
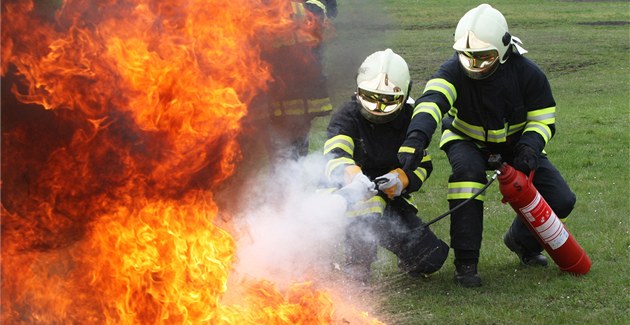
column 584, row 46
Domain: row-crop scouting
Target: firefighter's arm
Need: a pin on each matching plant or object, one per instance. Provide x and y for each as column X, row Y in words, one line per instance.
column 539, row 129
column 437, row 99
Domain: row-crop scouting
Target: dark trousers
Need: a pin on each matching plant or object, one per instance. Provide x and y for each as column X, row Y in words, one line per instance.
column 469, row 163
column 400, row 231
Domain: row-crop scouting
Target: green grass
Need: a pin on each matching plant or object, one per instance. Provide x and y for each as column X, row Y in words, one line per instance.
column 587, row 60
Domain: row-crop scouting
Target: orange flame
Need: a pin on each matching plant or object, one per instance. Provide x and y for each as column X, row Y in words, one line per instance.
column 121, row 121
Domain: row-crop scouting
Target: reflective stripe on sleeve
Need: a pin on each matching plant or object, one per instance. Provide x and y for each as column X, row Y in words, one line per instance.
column 540, row 128
column 544, row 115
column 333, row 164
column 340, row 141
column 429, row 108
column 375, row 205
column 441, row 85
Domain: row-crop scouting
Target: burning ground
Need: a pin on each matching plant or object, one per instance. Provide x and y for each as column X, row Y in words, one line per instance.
column 120, row 122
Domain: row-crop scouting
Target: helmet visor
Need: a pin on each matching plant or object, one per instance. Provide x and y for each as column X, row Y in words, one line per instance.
column 479, row 64
column 379, row 103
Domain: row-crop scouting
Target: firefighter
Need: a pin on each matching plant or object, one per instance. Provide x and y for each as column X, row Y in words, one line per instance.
column 298, row 93
column 490, row 101
column 363, row 137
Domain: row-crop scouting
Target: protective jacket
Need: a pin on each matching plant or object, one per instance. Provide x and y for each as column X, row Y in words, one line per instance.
column 513, row 105
column 393, row 224
column 300, row 86
column 373, row 147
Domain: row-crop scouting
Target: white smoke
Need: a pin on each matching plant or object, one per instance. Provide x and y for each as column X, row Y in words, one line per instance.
column 292, row 230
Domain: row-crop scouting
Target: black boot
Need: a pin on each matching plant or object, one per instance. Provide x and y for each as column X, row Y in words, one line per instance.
column 527, row 257
column 466, row 275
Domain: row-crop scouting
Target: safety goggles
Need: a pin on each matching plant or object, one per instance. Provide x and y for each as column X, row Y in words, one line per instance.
column 379, row 103
column 478, row 62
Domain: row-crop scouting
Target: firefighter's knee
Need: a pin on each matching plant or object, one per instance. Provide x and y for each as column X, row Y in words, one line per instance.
column 564, row 206
column 425, row 254
column 470, row 172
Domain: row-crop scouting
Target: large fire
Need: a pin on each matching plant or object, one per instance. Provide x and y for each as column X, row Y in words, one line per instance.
column 119, row 123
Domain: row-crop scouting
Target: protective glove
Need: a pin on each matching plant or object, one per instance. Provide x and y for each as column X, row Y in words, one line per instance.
column 411, row 152
column 526, row 158
column 361, row 188
column 393, row 183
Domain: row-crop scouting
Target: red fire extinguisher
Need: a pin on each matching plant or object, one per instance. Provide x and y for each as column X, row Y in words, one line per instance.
column 517, row 190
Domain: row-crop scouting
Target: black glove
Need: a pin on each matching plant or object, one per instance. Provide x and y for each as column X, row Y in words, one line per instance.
column 411, row 152
column 526, row 158
column 331, row 8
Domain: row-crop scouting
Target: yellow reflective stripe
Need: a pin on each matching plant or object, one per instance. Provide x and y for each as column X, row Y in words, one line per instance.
column 497, row 136
column 405, row 149
column 317, row 3
column 375, row 205
column 289, row 107
column 301, row 107
column 448, row 136
column 429, row 108
column 328, row 190
column 421, row 173
column 333, row 164
column 298, row 9
column 512, row 129
column 319, row 105
column 473, row 131
column 464, row 190
column 441, row 85
column 540, row 128
column 410, row 201
column 340, row 141
column 544, row 115
column 478, row 133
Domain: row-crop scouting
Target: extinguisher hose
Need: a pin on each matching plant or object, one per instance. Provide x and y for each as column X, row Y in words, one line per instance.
column 440, row 217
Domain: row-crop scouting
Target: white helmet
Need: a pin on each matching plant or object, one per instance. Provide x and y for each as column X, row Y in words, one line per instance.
column 482, row 39
column 382, row 86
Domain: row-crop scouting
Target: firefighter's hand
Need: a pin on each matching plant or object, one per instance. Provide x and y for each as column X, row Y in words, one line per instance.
column 390, row 184
column 361, row 188
column 526, row 158
column 411, row 152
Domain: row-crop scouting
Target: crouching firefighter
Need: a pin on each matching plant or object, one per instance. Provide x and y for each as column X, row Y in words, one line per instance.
column 363, row 137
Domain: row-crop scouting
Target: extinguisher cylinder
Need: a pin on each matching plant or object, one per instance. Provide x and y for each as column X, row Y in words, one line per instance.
column 517, row 190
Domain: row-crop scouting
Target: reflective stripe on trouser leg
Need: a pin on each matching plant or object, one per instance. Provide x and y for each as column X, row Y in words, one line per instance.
column 468, row 177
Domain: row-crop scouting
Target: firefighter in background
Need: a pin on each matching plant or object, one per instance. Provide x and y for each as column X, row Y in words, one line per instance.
column 299, row 91
column 490, row 100
column 278, row 123
column 363, row 137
